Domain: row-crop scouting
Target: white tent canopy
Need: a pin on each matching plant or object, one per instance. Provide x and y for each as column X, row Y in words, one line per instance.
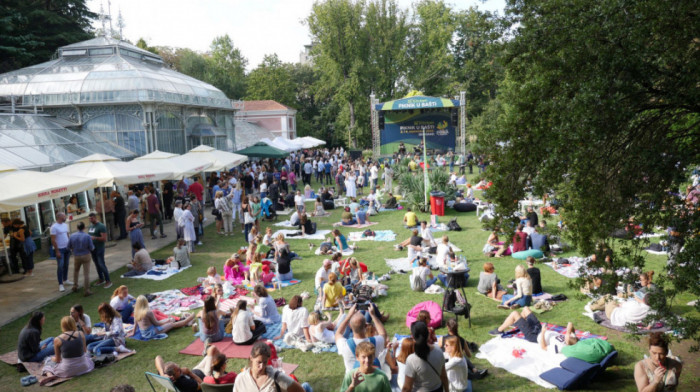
column 25, row 187
column 282, row 144
column 312, row 141
column 180, row 166
column 108, row 170
column 220, row 160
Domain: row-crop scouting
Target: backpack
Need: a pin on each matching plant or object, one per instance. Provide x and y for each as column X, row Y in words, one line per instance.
column 352, row 345
column 363, row 293
column 368, row 233
column 417, row 283
column 453, row 225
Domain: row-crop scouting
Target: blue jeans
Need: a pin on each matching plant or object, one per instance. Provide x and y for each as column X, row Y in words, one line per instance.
column 213, row 337
column 62, row 262
column 102, row 346
column 126, row 313
column 98, row 257
column 525, row 300
column 288, row 276
column 307, row 387
column 430, row 282
column 246, row 230
column 45, row 352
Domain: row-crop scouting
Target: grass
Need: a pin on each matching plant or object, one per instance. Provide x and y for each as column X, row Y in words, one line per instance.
column 325, row 371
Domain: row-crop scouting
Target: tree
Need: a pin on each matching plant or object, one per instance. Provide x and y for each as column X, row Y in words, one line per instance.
column 272, row 80
column 311, row 107
column 340, row 53
column 32, row 30
column 429, row 69
column 141, row 43
column 229, row 67
column 600, row 105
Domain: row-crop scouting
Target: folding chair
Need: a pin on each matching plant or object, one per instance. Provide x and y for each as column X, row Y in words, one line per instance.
column 217, row 387
column 165, row 382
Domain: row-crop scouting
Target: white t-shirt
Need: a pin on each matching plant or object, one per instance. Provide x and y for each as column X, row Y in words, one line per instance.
column 426, row 377
column 321, row 276
column 442, row 252
column 241, row 326
column 60, row 230
column 347, row 354
column 373, row 173
column 263, row 187
column 299, row 200
column 427, row 235
column 528, row 230
column 233, row 181
column 294, row 219
column 554, row 340
column 296, row 320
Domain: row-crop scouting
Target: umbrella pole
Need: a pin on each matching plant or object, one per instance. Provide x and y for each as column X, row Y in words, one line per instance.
column 7, row 256
column 104, row 216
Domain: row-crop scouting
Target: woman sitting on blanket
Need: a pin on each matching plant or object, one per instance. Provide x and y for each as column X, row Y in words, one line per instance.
column 210, row 327
column 83, row 322
column 339, row 241
column 235, row 270
column 149, row 326
column 307, row 227
column 70, row 353
column 218, row 372
column 113, row 336
column 346, row 218
column 658, row 372
column 181, row 255
column 352, row 271
column 263, row 248
column 493, row 247
column 123, row 303
column 523, row 291
column 489, row 284
column 318, row 208
column 295, row 319
column 323, row 331
column 243, row 327
column 333, row 292
column 30, row 347
column 631, row 311
column 266, row 309
column 284, row 257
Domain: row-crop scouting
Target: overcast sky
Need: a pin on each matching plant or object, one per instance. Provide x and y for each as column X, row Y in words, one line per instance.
column 257, row 27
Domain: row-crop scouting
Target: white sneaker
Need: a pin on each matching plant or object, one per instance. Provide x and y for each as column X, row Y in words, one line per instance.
column 200, row 243
column 122, row 349
column 68, row 282
column 61, row 288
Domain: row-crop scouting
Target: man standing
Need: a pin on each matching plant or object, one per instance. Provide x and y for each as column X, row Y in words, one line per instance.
column 308, row 169
column 120, row 214
column 105, row 203
column 98, row 233
column 196, row 188
column 81, row 245
column 153, row 206
column 168, row 194
column 374, row 175
column 59, row 240
column 132, row 202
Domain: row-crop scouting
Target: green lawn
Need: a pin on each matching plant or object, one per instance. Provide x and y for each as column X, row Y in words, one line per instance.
column 324, row 371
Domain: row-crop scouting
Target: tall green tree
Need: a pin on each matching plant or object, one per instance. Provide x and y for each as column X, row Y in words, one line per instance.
column 32, row 30
column 141, row 43
column 430, row 60
column 272, row 79
column 387, row 30
column 601, row 105
column 229, row 67
column 311, row 107
column 340, row 54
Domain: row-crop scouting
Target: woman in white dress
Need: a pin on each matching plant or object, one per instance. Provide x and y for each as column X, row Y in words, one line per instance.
column 388, row 178
column 187, row 220
column 351, row 184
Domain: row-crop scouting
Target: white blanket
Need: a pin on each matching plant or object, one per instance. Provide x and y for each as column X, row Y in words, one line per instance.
column 346, row 252
column 520, row 357
column 319, row 235
column 168, row 273
column 286, row 223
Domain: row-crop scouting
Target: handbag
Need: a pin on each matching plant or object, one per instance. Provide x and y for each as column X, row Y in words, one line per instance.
column 248, row 218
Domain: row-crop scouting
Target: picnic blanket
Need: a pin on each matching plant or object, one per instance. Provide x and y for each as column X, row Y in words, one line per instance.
column 319, row 235
column 576, row 264
column 581, row 335
column 520, row 357
column 286, row 211
column 137, row 336
column 355, row 226
column 155, row 274
column 35, row 368
column 346, row 252
column 657, row 252
column 379, row 235
column 270, row 286
column 287, row 223
column 273, row 330
column 658, row 327
column 225, row 345
column 175, row 301
column 404, row 264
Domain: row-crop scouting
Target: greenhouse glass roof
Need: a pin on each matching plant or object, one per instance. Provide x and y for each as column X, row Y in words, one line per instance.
column 35, row 141
column 105, row 70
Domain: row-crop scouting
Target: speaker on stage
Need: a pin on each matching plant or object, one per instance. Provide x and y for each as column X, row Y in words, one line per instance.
column 381, row 119
column 455, row 116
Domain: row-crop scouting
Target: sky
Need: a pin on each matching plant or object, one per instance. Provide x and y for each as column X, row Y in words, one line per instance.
column 257, row 27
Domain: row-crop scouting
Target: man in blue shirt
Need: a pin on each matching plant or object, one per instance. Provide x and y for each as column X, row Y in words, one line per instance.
column 80, row 244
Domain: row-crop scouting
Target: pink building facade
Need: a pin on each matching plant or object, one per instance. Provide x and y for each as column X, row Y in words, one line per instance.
column 271, row 115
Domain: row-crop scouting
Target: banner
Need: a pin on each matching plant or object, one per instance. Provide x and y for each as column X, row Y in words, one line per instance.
column 408, row 126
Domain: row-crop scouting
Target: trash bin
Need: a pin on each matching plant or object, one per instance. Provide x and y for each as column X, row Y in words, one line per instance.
column 437, row 203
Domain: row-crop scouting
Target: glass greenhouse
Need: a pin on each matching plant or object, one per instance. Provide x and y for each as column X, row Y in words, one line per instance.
column 110, row 90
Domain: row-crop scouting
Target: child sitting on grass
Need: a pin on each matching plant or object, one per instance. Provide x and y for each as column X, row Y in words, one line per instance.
column 211, row 280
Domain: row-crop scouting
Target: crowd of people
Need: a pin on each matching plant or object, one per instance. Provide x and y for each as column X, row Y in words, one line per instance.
column 257, row 191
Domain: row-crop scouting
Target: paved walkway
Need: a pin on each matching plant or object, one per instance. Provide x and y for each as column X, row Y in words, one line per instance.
column 42, row 288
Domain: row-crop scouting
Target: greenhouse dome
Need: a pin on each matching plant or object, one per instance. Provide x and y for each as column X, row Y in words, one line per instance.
column 126, row 95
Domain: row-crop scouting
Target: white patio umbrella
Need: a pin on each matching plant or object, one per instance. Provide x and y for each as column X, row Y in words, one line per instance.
column 181, row 166
column 24, row 187
column 220, row 160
